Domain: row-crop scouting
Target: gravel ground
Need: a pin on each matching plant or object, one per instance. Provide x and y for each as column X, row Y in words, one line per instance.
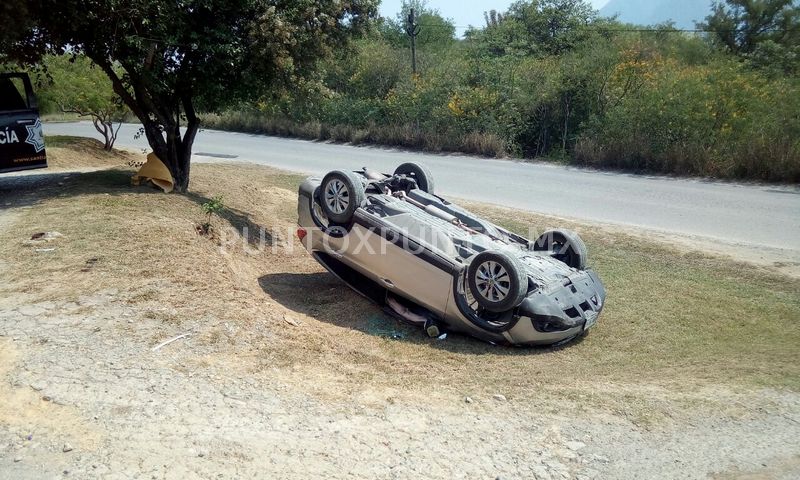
column 84, row 396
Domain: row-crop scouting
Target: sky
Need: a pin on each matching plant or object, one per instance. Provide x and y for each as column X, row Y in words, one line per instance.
column 462, row 12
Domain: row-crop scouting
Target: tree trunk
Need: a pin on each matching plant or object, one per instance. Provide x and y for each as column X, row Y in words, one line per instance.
column 114, row 134
column 161, row 120
column 176, row 153
column 181, row 175
column 182, row 167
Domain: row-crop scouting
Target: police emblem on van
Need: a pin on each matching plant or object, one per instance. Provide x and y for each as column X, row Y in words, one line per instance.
column 35, row 136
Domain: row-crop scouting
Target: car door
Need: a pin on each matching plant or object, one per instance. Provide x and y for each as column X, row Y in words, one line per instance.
column 400, row 263
column 21, row 136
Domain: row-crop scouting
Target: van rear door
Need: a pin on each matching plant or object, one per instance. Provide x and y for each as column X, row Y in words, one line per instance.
column 21, row 137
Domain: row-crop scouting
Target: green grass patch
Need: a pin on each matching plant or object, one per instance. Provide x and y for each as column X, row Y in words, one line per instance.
column 686, row 316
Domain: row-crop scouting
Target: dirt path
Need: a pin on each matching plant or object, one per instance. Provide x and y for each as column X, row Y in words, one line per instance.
column 83, row 375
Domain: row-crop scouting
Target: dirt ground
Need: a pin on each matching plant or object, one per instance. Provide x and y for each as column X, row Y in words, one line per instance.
column 280, row 372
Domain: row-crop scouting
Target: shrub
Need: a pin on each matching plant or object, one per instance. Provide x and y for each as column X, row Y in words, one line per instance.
column 720, row 120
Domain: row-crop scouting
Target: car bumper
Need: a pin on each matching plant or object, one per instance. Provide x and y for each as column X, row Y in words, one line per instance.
column 561, row 311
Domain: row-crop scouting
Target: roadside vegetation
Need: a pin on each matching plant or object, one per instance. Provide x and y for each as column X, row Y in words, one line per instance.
column 545, row 79
column 551, row 80
column 79, row 88
column 676, row 321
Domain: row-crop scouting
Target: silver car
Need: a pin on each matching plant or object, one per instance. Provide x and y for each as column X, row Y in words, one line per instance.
column 432, row 263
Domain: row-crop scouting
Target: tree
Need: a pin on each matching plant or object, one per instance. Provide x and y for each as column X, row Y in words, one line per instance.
column 371, row 73
column 16, row 21
column 555, row 26
column 169, row 60
column 742, row 25
column 536, row 27
column 492, row 18
column 77, row 86
column 435, row 33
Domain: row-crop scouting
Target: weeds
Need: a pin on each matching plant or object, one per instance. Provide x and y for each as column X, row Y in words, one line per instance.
column 401, row 136
column 210, row 208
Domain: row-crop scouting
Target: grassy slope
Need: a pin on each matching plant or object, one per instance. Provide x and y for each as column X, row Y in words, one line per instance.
column 677, row 321
column 677, row 314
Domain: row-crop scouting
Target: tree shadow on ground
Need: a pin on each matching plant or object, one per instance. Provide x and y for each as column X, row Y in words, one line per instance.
column 19, row 190
column 324, row 297
column 29, row 189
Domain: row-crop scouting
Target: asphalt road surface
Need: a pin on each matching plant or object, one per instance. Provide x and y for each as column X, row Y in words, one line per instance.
column 765, row 216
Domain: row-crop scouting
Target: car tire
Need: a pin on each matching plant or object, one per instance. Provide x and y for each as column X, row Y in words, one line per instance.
column 340, row 194
column 497, row 280
column 420, row 173
column 567, row 247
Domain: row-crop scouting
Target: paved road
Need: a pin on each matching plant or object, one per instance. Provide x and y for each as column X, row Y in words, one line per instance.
column 752, row 215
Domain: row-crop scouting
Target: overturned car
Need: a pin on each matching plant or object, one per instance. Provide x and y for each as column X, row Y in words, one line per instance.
column 430, row 262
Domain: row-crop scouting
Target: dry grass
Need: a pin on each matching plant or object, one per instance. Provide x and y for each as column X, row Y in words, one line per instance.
column 70, row 153
column 401, row 135
column 682, row 315
column 674, row 322
column 757, row 158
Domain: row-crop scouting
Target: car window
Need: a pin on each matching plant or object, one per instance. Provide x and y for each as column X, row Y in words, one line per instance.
column 10, row 96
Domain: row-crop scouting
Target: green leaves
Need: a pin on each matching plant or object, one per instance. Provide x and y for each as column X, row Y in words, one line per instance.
column 767, row 32
column 170, row 59
column 537, row 28
column 721, row 119
column 214, row 206
column 78, row 85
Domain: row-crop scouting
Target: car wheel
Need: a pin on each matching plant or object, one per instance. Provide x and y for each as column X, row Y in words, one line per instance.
column 418, row 172
column 497, row 280
column 565, row 246
column 341, row 193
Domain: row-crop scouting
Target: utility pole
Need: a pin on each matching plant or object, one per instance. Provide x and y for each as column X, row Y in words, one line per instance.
column 412, row 30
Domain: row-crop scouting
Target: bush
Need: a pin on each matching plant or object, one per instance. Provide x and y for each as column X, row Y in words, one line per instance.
column 401, row 136
column 590, row 94
column 719, row 120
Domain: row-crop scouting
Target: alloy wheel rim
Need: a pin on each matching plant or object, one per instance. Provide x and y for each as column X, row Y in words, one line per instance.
column 337, row 196
column 493, row 281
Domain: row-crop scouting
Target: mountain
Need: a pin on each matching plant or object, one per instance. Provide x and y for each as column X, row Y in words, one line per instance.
column 650, row 12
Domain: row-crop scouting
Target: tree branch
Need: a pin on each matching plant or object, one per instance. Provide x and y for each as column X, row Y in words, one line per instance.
column 192, row 122
column 76, row 111
column 118, row 86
